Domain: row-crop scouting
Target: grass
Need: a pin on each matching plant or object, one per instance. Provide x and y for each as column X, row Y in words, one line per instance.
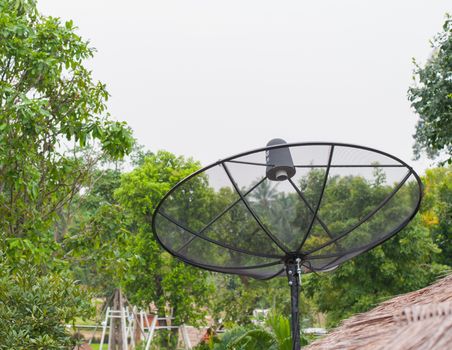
column 83, row 322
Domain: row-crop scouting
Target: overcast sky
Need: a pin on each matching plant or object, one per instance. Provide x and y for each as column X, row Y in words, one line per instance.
column 209, row 79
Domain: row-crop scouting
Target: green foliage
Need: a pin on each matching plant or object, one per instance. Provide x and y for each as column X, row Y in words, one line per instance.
column 35, row 306
column 142, row 188
column 402, row 264
column 229, row 337
column 54, row 128
column 431, row 98
column 111, row 240
column 209, row 344
column 236, row 298
column 276, row 336
column 280, row 327
column 254, row 339
column 153, row 275
column 97, row 239
column 48, row 100
column 164, row 339
column 436, row 210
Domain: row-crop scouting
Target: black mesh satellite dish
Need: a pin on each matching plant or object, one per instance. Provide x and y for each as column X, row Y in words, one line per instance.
column 287, row 209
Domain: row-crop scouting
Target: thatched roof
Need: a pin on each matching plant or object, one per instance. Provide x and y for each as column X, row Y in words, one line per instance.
column 418, row 320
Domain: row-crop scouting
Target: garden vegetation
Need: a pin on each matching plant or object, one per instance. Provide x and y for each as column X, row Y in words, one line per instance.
column 74, row 225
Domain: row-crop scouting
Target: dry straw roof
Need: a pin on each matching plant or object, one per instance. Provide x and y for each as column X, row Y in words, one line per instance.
column 420, row 320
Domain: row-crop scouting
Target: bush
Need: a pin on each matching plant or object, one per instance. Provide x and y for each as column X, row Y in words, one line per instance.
column 276, row 336
column 35, row 308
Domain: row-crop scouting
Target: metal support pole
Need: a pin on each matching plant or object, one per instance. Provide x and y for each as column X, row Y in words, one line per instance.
column 294, row 271
column 151, row 332
column 104, row 328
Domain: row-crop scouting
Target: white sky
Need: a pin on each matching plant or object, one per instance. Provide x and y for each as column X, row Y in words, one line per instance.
column 209, row 79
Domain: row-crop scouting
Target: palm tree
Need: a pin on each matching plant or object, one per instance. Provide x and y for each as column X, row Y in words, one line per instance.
column 275, row 336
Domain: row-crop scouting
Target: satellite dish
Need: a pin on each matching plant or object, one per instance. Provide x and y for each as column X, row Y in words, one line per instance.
column 287, row 209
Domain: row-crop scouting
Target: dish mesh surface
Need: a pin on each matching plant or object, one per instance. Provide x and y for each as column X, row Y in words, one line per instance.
column 342, row 201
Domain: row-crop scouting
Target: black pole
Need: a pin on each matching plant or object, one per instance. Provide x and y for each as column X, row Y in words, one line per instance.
column 293, row 270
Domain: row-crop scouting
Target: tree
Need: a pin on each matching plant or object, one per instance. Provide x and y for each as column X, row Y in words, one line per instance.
column 436, row 210
column 110, row 242
column 49, row 103
column 400, row 265
column 54, row 128
column 153, row 275
column 237, row 297
column 35, row 309
column 404, row 263
column 431, row 98
column 96, row 239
